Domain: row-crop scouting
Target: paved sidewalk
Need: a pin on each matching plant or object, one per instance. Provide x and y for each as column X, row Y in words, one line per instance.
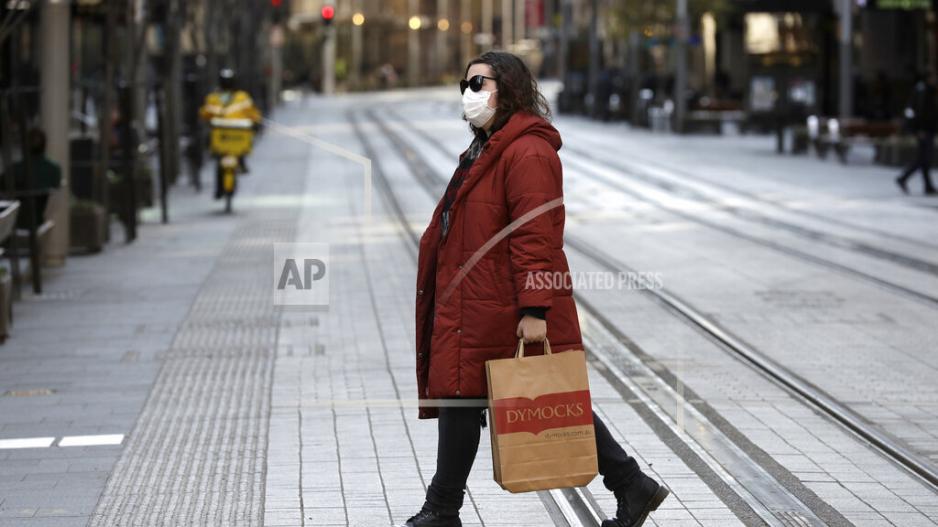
column 229, row 411
column 84, row 355
column 124, row 343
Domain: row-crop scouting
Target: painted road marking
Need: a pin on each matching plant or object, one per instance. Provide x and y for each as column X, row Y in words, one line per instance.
column 95, row 440
column 26, row 442
column 66, row 441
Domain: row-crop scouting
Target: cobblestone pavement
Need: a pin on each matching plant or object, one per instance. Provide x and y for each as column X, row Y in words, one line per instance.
column 229, row 411
column 816, row 322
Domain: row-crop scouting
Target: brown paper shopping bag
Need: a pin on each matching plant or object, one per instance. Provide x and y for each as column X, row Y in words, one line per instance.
column 541, row 421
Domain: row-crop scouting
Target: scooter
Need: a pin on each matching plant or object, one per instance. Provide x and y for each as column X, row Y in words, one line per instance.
column 231, row 139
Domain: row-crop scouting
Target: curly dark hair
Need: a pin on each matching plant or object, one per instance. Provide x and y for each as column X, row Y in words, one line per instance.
column 517, row 87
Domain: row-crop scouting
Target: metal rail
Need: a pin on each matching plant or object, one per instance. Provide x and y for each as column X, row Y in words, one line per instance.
column 836, row 241
column 814, row 396
column 567, row 509
column 684, row 189
column 882, row 283
column 685, row 175
column 782, row 376
column 773, row 502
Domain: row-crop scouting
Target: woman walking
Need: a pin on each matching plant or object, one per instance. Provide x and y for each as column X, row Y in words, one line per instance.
column 499, row 223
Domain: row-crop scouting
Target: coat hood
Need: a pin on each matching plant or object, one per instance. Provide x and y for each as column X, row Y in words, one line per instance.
column 523, row 123
column 520, row 124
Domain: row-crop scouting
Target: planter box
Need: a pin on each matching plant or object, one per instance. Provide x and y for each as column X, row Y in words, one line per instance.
column 88, row 226
column 6, row 305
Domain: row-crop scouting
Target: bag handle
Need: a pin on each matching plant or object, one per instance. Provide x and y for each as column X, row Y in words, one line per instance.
column 520, row 353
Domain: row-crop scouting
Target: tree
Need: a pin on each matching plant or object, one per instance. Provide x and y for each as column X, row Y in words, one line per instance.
column 656, row 18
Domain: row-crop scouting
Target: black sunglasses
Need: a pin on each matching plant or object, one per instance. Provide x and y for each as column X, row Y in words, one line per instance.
column 474, row 83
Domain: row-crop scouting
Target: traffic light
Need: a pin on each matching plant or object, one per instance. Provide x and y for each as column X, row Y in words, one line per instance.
column 277, row 11
column 328, row 14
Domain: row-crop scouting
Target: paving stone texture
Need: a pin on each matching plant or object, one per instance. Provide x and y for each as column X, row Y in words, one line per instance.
column 236, row 412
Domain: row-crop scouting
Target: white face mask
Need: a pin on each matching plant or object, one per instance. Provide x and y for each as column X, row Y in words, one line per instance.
column 475, row 106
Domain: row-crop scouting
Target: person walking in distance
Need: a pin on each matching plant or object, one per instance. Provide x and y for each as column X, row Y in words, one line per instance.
column 474, row 299
column 922, row 114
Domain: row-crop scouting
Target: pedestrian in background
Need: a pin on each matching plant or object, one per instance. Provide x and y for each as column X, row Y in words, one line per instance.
column 45, row 175
column 470, row 311
column 921, row 115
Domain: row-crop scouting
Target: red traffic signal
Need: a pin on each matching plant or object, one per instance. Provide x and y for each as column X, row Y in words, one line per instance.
column 276, row 3
column 328, row 13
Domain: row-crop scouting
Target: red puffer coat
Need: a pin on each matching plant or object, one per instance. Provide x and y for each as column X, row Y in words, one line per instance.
column 469, row 296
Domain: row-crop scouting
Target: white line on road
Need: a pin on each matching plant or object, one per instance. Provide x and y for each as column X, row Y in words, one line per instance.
column 26, row 442
column 95, row 440
column 67, row 441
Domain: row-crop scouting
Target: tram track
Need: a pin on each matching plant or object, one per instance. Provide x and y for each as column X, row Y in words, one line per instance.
column 753, row 493
column 798, row 387
column 634, row 168
column 807, row 233
column 643, row 168
column 830, row 240
column 846, row 270
column 780, row 375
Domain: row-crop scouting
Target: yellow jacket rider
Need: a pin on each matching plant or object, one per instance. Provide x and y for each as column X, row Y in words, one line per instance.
column 228, row 102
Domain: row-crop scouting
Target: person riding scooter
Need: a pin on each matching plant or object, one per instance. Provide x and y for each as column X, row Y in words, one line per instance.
column 228, row 102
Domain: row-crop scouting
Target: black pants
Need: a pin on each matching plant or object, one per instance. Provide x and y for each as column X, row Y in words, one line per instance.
column 220, row 177
column 459, row 429
column 923, row 160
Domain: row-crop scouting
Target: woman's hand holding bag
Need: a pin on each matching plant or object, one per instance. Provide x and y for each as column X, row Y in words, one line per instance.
column 532, row 329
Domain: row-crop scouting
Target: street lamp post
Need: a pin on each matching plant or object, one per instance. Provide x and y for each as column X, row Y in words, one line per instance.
column 358, row 20
column 442, row 38
column 275, row 81
column 507, row 36
column 465, row 29
column 487, row 25
column 54, row 25
column 846, row 58
column 566, row 15
column 413, row 44
column 680, row 62
column 520, row 22
column 593, row 80
column 328, row 50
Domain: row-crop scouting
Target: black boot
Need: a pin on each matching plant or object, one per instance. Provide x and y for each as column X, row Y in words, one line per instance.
column 636, row 501
column 902, row 184
column 441, row 508
column 428, row 518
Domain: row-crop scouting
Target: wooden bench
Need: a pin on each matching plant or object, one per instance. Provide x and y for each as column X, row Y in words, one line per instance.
column 713, row 120
column 34, row 236
column 9, row 211
column 828, row 133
